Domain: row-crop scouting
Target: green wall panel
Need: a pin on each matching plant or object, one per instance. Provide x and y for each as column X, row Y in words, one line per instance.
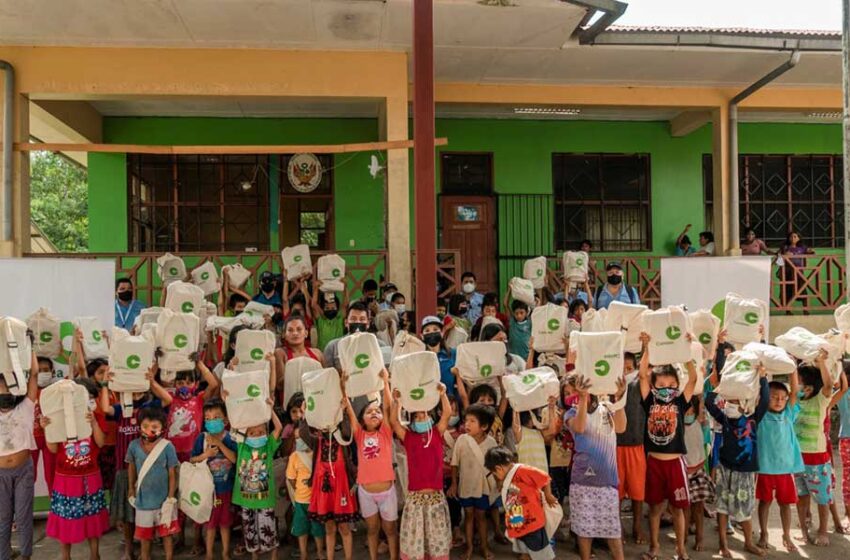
column 107, row 203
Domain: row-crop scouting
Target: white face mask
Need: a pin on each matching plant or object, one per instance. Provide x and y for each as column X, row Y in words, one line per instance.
column 400, row 308
column 92, row 405
column 732, row 411
column 45, row 378
column 469, row 287
column 388, row 297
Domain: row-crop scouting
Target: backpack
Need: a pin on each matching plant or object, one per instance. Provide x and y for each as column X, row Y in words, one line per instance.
column 66, row 404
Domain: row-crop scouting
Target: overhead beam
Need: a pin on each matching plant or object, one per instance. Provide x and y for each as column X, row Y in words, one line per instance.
column 66, row 122
column 222, row 150
column 688, row 121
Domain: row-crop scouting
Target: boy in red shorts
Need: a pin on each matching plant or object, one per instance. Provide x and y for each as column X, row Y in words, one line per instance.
column 666, row 472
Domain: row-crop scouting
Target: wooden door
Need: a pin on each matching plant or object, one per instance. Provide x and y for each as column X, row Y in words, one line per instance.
column 468, row 224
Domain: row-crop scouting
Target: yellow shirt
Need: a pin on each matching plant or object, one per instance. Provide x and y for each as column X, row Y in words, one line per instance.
column 299, row 472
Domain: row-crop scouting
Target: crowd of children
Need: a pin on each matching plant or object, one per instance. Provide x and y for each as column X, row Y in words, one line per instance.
column 470, row 471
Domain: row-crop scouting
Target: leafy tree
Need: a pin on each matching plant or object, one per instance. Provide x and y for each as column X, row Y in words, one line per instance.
column 59, row 200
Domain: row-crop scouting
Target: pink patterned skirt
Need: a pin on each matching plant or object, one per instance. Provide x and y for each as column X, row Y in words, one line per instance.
column 77, row 509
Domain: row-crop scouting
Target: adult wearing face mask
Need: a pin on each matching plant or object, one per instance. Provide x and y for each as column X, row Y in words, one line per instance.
column 126, row 307
column 356, row 320
column 475, row 300
column 388, row 291
column 330, row 323
column 614, row 289
column 268, row 294
column 432, row 336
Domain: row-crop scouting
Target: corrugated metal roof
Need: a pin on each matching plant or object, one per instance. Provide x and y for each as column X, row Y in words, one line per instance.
column 784, row 33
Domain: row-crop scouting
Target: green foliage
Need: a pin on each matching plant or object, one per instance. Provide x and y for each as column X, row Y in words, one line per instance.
column 59, row 200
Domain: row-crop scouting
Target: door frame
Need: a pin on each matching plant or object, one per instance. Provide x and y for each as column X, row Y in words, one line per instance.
column 494, row 221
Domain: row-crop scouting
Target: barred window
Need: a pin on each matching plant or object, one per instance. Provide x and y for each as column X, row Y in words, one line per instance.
column 604, row 198
column 197, row 203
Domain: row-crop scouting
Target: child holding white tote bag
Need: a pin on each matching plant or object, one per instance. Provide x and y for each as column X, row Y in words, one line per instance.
column 669, row 331
column 744, row 319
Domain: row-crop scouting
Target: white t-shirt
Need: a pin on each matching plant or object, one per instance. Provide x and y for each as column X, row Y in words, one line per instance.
column 695, row 444
column 708, row 248
column 16, row 428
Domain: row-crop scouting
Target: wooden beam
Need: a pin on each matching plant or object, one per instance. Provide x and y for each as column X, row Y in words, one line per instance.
column 688, row 121
column 222, row 150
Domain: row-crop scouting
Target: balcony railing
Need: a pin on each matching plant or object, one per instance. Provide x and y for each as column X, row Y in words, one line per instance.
column 360, row 266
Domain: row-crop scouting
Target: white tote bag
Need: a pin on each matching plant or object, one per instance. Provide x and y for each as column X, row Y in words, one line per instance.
column 360, row 357
column 206, row 278
column 47, row 342
column 296, row 261
column 406, row 343
column 774, row 359
column 293, row 372
column 416, row 377
column 171, row 268
column 739, row 378
column 15, row 355
column 455, row 337
column 706, row 326
column 247, row 393
column 257, row 309
column 599, row 358
column 531, row 389
column 237, row 274
column 575, row 267
column 323, row 399
column 627, row 317
column 594, row 320
column 94, row 343
column 252, row 347
column 331, row 271
column 742, row 318
column 177, row 336
column 534, row 270
column 130, row 358
column 549, row 327
column 668, row 329
column 522, row 290
column 802, row 344
column 149, row 315
column 184, row 298
column 197, row 491
column 66, row 404
column 842, row 317
column 481, row 361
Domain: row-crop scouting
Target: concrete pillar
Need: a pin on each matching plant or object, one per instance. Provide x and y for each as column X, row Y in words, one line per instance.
column 720, row 161
column 393, row 126
column 20, row 242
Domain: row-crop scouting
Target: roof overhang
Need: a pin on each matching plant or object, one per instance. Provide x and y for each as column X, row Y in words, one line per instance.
column 750, row 39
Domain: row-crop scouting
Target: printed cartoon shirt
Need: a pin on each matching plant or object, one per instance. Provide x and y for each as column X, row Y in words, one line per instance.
column 255, row 485
column 185, row 420
column 221, row 469
column 77, row 458
column 375, row 455
column 524, row 502
column 739, row 447
column 665, row 425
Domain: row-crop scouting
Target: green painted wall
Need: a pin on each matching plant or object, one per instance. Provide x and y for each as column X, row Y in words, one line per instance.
column 107, row 203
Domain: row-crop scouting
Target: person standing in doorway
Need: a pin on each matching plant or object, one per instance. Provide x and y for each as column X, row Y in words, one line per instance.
column 473, row 298
column 127, row 308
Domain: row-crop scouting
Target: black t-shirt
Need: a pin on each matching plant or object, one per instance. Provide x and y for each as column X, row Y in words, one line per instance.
column 665, row 425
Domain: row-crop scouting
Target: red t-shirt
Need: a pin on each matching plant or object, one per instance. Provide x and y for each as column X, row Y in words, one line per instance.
column 77, row 458
column 424, row 461
column 524, row 504
column 185, row 422
column 375, row 455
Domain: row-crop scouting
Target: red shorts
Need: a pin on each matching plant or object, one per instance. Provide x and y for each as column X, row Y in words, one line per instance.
column 631, row 469
column 667, row 479
column 779, row 485
column 222, row 513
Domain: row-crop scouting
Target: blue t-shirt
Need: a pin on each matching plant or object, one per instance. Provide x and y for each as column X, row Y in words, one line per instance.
column 779, row 450
column 844, row 410
column 475, row 302
column 275, row 300
column 154, row 489
column 518, row 336
column 221, row 469
column 681, row 253
column 595, row 456
column 126, row 316
column 605, row 297
column 447, row 362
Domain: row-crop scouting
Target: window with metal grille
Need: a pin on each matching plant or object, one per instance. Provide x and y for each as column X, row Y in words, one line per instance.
column 783, row 193
column 198, row 203
column 604, row 198
column 466, row 173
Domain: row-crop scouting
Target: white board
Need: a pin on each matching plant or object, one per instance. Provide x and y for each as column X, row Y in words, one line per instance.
column 703, row 282
column 68, row 287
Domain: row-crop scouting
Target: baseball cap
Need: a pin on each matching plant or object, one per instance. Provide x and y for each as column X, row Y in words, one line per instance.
column 613, row 264
column 431, row 320
column 266, row 275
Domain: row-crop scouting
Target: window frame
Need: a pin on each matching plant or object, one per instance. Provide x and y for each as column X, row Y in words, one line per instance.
column 447, row 190
column 287, row 194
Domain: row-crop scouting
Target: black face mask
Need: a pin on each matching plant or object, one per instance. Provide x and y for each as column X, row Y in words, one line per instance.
column 125, row 296
column 614, row 279
column 331, row 313
column 462, row 311
column 432, row 339
column 7, row 401
column 357, row 327
column 267, row 285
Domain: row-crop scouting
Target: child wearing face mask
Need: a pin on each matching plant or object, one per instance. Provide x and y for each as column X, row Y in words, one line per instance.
column 186, row 413
column 375, row 475
column 736, row 474
column 454, row 430
column 700, row 486
column 128, row 429
column 96, row 370
column 255, row 490
column 519, row 330
column 459, row 313
column 425, row 531
column 531, row 439
column 45, row 378
column 666, row 476
column 299, row 470
column 432, row 336
column 216, row 446
column 78, row 500
column 330, row 323
column 152, row 488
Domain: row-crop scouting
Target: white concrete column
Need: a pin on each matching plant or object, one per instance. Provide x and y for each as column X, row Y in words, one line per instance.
column 393, row 125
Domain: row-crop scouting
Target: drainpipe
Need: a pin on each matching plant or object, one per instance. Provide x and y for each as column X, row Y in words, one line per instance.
column 734, row 197
column 845, row 48
column 8, row 136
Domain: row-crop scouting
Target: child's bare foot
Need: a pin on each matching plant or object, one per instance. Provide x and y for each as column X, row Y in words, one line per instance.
column 804, row 537
column 788, row 543
column 763, row 542
column 724, row 553
column 639, row 537
column 842, row 529
column 698, row 546
column 821, row 540
column 755, row 549
column 467, row 555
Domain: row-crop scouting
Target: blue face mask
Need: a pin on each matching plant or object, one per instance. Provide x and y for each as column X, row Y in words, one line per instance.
column 214, row 426
column 257, row 442
column 301, row 446
column 422, row 427
column 690, row 419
